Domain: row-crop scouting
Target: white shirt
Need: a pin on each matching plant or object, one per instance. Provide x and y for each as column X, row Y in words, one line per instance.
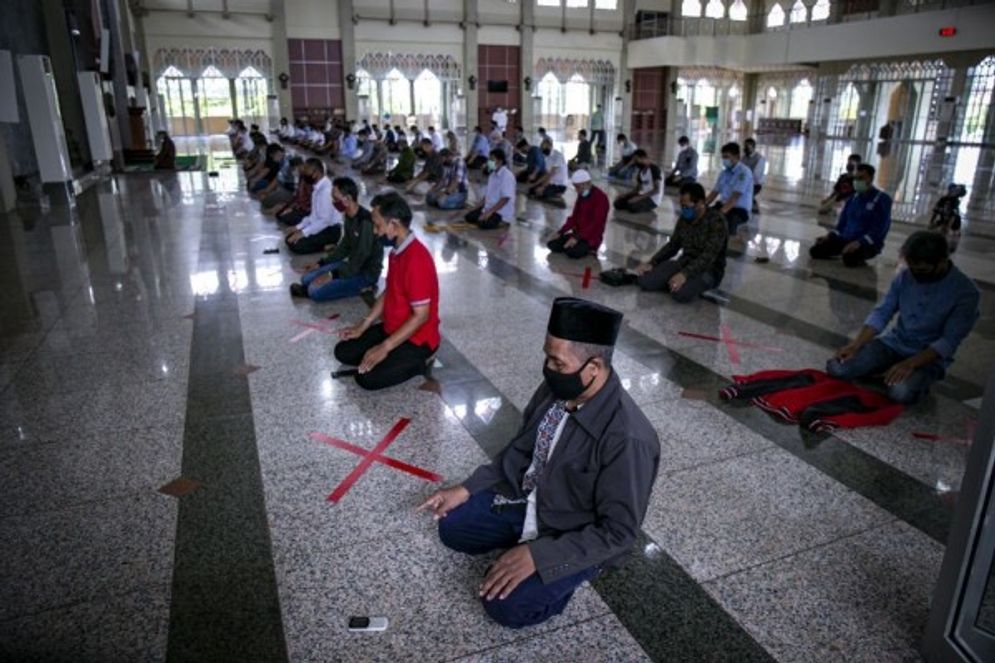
column 437, row 141
column 557, row 161
column 530, row 528
column 502, row 184
column 500, row 118
column 646, row 184
column 759, row 168
column 628, row 148
column 323, row 213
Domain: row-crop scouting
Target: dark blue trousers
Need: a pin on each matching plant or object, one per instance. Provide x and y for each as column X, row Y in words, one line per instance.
column 475, row 529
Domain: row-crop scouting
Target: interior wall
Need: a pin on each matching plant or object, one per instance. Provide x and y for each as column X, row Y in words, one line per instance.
column 207, row 30
column 499, row 63
column 312, row 19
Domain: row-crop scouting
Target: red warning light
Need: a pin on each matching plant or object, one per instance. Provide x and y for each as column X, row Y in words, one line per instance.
column 948, row 31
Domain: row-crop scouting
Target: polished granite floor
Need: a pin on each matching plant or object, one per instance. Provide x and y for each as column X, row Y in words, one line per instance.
column 166, row 409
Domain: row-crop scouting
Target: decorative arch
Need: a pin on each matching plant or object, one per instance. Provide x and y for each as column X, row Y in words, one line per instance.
column 599, row 72
column 227, row 61
column 379, row 65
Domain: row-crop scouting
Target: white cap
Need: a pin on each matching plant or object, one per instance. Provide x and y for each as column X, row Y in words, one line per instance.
column 580, row 177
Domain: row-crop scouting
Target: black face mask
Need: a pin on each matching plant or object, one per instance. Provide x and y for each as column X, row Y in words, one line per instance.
column 566, row 386
column 546, row 152
column 388, row 242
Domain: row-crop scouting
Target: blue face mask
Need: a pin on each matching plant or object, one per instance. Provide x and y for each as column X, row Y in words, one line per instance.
column 688, row 213
column 727, row 163
column 585, row 193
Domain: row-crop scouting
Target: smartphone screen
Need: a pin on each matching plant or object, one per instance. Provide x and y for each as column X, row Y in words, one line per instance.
column 359, row 622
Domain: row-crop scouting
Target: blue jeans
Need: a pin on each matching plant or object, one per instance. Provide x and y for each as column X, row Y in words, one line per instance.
column 473, row 528
column 875, row 358
column 337, row 288
column 454, row 200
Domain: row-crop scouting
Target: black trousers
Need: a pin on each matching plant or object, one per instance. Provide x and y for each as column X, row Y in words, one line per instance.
column 478, row 162
column 623, row 205
column 317, row 242
column 403, row 363
column 488, row 223
column 735, row 217
column 291, row 217
column 579, row 250
column 832, row 247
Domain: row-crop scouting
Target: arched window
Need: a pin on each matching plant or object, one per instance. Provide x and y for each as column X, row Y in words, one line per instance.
column 704, row 94
column 690, row 8
column 578, row 97
column 799, row 12
column 177, row 94
column 367, row 87
column 428, row 99
column 738, row 11
column 801, row 97
column 396, row 91
column 820, row 11
column 775, row 17
column 214, row 98
column 849, row 103
column 715, row 9
column 551, row 104
column 251, row 89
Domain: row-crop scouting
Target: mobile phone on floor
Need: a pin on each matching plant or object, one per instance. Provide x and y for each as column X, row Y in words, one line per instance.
column 367, row 623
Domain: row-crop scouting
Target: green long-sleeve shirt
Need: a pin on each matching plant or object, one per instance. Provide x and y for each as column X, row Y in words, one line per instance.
column 359, row 251
column 405, row 168
column 702, row 244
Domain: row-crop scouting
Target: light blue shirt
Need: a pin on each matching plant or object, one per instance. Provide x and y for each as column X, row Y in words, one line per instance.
column 738, row 179
column 930, row 315
column 482, row 146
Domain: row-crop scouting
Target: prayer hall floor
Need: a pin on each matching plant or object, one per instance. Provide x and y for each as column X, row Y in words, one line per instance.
column 166, row 408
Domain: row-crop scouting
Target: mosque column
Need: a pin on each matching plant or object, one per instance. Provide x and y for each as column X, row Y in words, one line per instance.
column 626, row 74
column 281, row 58
column 983, row 173
column 119, row 28
column 470, row 48
column 64, row 68
column 865, row 135
column 347, row 36
column 749, row 124
column 526, row 35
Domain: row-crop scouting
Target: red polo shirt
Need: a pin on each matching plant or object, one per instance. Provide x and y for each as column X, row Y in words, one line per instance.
column 412, row 281
column 589, row 218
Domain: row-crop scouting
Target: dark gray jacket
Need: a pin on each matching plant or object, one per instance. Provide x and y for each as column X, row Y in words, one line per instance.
column 593, row 492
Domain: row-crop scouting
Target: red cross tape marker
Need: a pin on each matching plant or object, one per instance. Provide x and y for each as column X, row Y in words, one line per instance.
column 373, row 456
column 730, row 342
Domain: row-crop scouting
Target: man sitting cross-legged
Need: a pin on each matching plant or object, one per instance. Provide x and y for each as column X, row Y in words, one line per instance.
column 450, row 191
column 553, row 182
column 323, row 225
column 701, row 236
column 356, row 262
column 581, row 235
column 566, row 498
column 498, row 204
column 400, row 346
column 936, row 304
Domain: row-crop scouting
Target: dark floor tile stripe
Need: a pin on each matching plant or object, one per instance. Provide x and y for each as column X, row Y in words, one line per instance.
column 668, row 613
column 224, row 604
column 891, row 489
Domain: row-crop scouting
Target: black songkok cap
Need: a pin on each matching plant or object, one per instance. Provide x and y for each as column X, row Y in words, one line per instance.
column 582, row 321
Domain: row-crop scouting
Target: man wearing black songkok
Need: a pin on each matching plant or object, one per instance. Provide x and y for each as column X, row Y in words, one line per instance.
column 567, row 496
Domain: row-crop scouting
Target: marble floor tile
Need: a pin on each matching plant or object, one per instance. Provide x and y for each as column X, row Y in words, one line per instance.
column 426, row 591
column 726, row 516
column 91, row 468
column 864, row 598
column 83, row 552
column 131, row 626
